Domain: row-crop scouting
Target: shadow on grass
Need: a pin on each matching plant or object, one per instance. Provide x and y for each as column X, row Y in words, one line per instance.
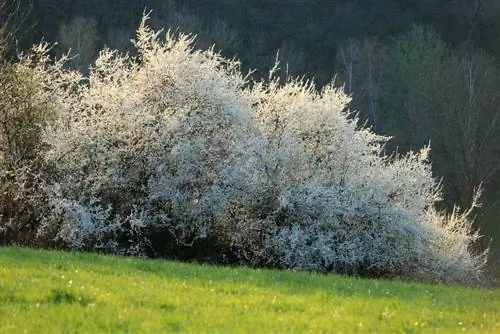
column 64, row 296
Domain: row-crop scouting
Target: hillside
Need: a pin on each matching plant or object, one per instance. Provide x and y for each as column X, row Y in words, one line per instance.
column 59, row 292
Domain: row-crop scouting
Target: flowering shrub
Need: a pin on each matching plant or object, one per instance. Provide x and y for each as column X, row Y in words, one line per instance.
column 339, row 205
column 24, row 110
column 174, row 153
column 148, row 148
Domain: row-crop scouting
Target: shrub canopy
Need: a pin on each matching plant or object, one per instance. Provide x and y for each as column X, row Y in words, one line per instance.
column 175, row 153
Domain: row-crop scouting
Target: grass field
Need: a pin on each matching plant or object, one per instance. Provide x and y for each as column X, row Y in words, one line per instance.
column 59, row 292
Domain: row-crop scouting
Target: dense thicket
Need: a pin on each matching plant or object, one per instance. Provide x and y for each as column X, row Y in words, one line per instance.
column 419, row 71
column 174, row 153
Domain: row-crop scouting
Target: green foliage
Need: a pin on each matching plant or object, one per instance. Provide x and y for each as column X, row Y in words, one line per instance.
column 73, row 292
column 411, row 57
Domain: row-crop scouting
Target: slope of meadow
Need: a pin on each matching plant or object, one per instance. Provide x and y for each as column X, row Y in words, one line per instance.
column 61, row 292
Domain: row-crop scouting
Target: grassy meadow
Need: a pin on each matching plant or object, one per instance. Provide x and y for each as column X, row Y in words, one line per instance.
column 68, row 292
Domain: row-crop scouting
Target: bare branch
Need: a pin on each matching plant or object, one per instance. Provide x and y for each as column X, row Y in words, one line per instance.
column 13, row 17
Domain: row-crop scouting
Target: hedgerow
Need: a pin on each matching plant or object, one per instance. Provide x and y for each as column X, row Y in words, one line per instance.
column 175, row 153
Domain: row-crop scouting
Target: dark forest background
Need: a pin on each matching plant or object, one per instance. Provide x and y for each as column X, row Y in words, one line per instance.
column 418, row 70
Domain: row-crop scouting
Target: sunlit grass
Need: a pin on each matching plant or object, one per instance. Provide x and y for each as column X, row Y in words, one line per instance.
column 53, row 292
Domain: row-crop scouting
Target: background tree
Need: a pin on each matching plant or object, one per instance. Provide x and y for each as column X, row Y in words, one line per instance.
column 462, row 110
column 363, row 64
column 410, row 57
column 80, row 38
column 14, row 25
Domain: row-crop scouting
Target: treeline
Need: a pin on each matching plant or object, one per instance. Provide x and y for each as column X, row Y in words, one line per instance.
column 420, row 71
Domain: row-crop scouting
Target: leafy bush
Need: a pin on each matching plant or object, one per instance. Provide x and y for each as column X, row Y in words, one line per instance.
column 175, row 153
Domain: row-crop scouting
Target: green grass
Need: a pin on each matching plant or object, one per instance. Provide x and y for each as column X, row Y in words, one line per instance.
column 61, row 292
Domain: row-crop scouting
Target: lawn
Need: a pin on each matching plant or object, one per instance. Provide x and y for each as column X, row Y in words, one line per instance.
column 68, row 292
